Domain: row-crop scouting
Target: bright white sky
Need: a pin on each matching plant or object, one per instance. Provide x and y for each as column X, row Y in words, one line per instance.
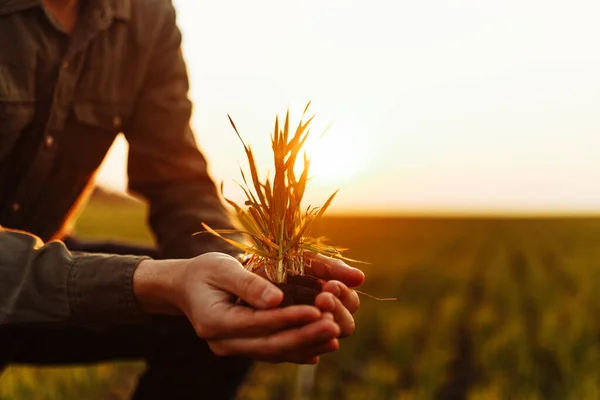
column 436, row 105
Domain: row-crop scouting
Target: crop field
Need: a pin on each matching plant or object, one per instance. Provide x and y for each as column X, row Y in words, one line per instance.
column 485, row 309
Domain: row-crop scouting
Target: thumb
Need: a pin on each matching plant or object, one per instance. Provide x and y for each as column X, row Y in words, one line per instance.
column 232, row 277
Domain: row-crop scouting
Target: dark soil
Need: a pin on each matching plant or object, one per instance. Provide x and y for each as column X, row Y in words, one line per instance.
column 300, row 289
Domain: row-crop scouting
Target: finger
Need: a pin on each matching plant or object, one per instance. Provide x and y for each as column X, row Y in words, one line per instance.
column 282, row 345
column 329, row 303
column 231, row 276
column 327, row 268
column 348, row 297
column 239, row 321
column 307, row 354
column 311, row 361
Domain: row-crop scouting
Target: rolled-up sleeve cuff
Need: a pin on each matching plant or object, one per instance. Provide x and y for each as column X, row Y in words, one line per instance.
column 100, row 289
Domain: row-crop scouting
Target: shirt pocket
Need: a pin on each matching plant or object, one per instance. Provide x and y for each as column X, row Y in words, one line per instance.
column 17, row 104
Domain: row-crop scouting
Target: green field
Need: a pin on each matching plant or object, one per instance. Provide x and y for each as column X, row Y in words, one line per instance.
column 486, row 309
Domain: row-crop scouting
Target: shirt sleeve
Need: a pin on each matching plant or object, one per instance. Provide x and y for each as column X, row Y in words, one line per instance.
column 45, row 284
column 165, row 166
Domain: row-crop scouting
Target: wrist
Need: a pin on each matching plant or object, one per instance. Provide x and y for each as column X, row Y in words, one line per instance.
column 154, row 283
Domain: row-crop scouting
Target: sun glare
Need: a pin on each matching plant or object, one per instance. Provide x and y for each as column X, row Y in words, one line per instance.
column 335, row 158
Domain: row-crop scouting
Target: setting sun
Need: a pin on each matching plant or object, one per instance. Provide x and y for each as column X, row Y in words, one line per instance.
column 336, row 157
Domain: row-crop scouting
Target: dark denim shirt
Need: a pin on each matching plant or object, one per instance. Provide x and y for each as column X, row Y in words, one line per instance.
column 63, row 100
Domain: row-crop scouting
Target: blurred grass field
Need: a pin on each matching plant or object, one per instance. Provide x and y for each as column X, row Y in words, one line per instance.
column 486, row 309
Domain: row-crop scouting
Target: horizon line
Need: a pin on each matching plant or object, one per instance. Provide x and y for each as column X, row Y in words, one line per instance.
column 428, row 212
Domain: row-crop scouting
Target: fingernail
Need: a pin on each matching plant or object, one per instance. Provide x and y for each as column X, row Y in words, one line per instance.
column 328, row 316
column 270, row 295
column 338, row 290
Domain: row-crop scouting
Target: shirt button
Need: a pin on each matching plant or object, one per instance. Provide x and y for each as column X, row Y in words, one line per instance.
column 15, row 207
column 65, row 64
column 117, row 122
column 49, row 141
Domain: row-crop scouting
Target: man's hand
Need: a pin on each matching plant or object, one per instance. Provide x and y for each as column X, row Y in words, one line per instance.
column 337, row 297
column 204, row 289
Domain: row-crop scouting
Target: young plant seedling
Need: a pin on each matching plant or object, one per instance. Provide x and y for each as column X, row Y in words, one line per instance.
column 275, row 221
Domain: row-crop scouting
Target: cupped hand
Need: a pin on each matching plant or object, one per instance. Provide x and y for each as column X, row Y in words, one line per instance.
column 207, row 288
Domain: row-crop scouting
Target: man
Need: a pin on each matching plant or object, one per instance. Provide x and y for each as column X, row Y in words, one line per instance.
column 73, row 74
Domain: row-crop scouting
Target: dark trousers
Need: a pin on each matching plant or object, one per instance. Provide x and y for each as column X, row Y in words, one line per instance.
column 179, row 364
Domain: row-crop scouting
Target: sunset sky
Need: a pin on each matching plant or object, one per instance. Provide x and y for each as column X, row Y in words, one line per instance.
column 436, row 105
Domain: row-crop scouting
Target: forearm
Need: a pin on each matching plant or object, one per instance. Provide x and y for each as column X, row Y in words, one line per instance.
column 45, row 284
column 165, row 166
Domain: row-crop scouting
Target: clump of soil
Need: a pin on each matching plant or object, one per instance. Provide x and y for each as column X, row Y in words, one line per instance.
column 297, row 290
column 300, row 289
